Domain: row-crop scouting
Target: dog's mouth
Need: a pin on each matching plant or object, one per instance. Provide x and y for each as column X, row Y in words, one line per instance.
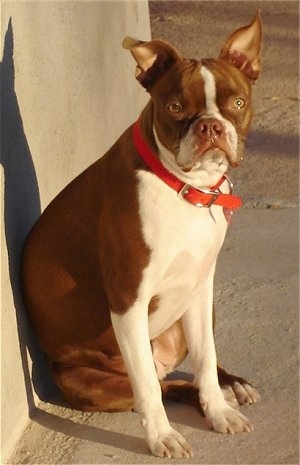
column 221, row 157
column 219, row 152
column 209, row 141
column 216, row 157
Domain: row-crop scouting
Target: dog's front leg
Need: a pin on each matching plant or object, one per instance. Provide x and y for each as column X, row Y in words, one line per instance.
column 198, row 329
column 131, row 329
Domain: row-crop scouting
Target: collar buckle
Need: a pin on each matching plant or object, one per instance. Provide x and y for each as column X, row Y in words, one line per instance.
column 184, row 191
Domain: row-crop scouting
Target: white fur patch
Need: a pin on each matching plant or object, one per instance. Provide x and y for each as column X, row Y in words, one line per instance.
column 210, row 92
column 212, row 110
column 184, row 241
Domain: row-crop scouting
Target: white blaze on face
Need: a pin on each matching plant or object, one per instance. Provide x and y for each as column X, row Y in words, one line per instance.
column 210, row 90
column 212, row 110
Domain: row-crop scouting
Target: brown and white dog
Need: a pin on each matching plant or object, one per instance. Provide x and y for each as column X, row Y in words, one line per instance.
column 118, row 271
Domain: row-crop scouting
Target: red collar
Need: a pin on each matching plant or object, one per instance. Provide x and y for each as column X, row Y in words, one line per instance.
column 198, row 197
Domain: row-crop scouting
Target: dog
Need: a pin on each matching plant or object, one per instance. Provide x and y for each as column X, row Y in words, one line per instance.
column 118, row 271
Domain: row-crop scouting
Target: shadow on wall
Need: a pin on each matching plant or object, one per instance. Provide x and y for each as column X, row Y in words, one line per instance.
column 21, row 210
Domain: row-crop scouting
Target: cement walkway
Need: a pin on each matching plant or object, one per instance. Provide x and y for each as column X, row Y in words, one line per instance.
column 257, row 277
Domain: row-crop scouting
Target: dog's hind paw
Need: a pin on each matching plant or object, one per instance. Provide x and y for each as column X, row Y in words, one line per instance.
column 245, row 393
column 240, row 394
column 235, row 386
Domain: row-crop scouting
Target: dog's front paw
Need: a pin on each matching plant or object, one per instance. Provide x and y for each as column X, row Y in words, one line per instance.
column 228, row 420
column 170, row 445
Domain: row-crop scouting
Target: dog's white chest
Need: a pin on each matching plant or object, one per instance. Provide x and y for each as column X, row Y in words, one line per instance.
column 184, row 241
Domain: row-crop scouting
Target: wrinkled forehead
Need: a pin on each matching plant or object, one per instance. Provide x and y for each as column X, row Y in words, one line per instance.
column 182, row 75
column 193, row 78
column 227, row 78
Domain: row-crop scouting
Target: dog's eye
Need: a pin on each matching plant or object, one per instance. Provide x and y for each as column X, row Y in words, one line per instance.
column 238, row 103
column 174, row 107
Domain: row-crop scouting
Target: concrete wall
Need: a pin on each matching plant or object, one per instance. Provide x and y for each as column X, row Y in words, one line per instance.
column 68, row 90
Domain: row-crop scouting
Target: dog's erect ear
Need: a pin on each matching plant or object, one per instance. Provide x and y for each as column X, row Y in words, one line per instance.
column 242, row 48
column 153, row 59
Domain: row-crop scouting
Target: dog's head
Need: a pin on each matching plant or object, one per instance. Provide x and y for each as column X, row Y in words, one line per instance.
column 201, row 109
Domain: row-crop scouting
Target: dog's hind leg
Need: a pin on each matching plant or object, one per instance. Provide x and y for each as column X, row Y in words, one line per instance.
column 236, row 390
column 169, row 350
column 181, row 391
column 93, row 389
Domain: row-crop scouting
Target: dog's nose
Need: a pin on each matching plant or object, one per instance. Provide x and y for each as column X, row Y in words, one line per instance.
column 209, row 129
